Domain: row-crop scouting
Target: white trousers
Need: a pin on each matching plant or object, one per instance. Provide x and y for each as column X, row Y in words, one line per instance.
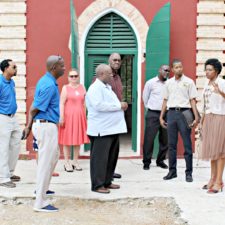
column 10, row 139
column 46, row 135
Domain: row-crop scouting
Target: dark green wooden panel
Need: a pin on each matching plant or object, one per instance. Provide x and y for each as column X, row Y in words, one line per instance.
column 158, row 48
column 109, row 32
column 158, row 42
column 92, row 61
column 74, row 37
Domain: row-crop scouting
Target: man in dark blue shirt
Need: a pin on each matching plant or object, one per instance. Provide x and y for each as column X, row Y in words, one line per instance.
column 44, row 115
column 10, row 132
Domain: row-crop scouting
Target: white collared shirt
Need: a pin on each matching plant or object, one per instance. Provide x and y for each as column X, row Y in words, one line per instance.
column 214, row 102
column 105, row 116
column 179, row 92
column 153, row 94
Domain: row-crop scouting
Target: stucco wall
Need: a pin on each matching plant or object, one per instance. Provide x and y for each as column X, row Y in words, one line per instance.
column 13, row 46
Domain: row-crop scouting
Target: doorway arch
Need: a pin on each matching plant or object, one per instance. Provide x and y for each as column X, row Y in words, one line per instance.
column 112, row 33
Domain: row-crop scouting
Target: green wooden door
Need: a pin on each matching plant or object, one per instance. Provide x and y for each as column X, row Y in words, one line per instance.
column 111, row 33
column 158, row 48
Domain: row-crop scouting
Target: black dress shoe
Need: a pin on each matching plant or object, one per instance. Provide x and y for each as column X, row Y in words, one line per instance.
column 146, row 167
column 170, row 176
column 189, row 178
column 162, row 165
column 117, row 175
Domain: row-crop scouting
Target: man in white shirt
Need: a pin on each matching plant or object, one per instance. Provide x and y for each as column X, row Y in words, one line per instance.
column 105, row 123
column 153, row 98
column 179, row 95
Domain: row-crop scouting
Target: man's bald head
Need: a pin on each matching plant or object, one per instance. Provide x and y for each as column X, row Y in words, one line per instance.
column 104, row 73
column 52, row 60
column 55, row 65
column 115, row 61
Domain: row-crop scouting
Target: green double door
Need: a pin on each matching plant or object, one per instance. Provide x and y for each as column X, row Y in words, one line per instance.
column 128, row 73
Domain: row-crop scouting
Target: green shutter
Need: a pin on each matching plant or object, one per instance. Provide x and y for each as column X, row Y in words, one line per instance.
column 111, row 32
column 74, row 37
column 158, row 42
column 92, row 62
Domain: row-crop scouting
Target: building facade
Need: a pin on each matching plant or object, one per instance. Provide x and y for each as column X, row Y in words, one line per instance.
column 30, row 31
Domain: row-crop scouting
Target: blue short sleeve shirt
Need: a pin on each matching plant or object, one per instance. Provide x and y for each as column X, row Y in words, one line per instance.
column 7, row 96
column 46, row 99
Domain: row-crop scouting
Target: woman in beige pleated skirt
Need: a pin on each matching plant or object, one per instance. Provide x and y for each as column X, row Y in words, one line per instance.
column 213, row 125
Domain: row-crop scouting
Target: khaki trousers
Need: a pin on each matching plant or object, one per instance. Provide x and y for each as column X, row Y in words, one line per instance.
column 10, row 138
column 46, row 135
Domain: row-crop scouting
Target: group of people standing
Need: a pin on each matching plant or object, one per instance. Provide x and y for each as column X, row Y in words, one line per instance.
column 165, row 99
column 166, row 102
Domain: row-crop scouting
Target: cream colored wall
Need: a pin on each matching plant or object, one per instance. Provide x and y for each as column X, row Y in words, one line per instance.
column 210, row 36
column 13, row 46
column 210, row 41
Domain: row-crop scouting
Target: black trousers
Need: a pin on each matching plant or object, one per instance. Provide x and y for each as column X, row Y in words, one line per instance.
column 152, row 126
column 104, row 155
column 176, row 123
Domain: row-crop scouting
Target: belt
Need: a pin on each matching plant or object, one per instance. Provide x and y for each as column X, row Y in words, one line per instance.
column 179, row 109
column 43, row 121
column 151, row 110
column 9, row 115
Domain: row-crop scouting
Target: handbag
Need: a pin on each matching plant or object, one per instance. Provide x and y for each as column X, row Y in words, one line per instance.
column 189, row 117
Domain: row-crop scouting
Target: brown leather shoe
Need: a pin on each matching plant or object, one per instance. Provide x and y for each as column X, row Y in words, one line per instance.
column 114, row 186
column 15, row 178
column 102, row 190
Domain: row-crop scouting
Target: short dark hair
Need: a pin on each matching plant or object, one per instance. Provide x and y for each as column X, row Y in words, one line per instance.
column 5, row 64
column 175, row 61
column 215, row 63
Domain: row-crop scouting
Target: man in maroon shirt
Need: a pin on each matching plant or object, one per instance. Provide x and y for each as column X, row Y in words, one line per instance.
column 115, row 83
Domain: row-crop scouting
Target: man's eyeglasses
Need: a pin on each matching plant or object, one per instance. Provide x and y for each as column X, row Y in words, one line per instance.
column 74, row 76
column 167, row 71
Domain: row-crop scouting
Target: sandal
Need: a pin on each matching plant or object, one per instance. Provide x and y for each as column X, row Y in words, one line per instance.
column 77, row 167
column 68, row 168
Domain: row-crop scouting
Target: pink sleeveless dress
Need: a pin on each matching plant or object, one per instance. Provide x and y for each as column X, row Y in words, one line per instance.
column 74, row 130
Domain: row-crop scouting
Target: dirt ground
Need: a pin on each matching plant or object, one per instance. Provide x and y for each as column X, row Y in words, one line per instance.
column 154, row 211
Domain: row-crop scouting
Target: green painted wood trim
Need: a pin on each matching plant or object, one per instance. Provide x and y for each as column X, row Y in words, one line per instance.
column 134, row 104
column 158, row 49
column 74, row 37
column 158, row 42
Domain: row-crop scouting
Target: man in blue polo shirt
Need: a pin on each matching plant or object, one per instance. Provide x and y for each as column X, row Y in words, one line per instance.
column 10, row 133
column 44, row 115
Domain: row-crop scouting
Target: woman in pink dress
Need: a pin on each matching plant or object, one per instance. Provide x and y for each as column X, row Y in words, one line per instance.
column 73, row 126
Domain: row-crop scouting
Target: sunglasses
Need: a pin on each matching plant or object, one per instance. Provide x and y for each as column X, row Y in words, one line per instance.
column 167, row 71
column 74, row 76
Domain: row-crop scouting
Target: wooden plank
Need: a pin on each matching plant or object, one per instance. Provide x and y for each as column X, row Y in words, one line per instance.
column 12, row 32
column 210, row 44
column 21, row 68
column 16, row 56
column 202, row 56
column 12, row 7
column 21, row 106
column 213, row 19
column 14, row 44
column 210, row 32
column 211, row 7
column 20, row 93
column 21, row 117
column 200, row 82
column 12, row 20
column 20, row 81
